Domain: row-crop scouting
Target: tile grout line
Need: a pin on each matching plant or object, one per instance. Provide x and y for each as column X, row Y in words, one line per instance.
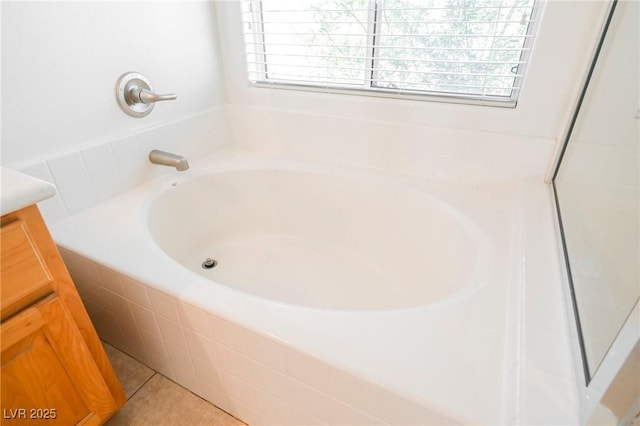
column 192, row 393
column 155, row 373
column 141, row 386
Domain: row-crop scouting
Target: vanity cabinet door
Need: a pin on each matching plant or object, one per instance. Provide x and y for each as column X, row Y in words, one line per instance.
column 48, row 373
column 24, row 275
column 31, row 270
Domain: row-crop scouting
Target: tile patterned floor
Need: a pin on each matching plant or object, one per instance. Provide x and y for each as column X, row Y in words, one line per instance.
column 152, row 399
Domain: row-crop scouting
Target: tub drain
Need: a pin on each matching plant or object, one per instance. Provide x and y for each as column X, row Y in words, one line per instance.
column 209, row 263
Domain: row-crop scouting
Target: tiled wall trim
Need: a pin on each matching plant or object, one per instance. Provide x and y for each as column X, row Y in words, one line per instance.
column 454, row 155
column 92, row 173
column 249, row 375
column 97, row 171
column 548, row 390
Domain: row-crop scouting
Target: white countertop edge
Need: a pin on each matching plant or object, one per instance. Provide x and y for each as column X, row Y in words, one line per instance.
column 20, row 190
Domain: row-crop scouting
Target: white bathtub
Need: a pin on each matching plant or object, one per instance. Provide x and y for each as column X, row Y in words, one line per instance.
column 340, row 295
column 321, row 239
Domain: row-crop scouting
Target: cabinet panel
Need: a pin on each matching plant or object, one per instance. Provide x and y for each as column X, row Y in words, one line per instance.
column 25, row 276
column 38, row 382
column 35, row 239
column 48, row 373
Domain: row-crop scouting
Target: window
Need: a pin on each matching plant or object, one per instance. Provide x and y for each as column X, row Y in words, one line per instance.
column 466, row 50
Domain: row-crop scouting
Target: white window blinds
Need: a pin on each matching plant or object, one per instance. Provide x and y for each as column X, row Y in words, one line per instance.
column 453, row 49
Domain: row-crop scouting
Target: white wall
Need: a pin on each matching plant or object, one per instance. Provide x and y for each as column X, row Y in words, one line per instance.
column 567, row 36
column 61, row 60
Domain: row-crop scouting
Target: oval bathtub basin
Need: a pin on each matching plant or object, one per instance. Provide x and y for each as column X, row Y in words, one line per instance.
column 319, row 240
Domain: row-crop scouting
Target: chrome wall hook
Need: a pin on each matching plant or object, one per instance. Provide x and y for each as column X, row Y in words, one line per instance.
column 135, row 95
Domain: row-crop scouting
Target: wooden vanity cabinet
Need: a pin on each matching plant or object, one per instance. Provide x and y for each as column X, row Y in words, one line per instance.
column 54, row 367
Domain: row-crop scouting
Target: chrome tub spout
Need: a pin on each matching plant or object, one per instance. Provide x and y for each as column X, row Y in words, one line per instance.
column 164, row 158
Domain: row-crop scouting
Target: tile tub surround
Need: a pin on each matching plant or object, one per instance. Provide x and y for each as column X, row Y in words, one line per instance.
column 459, row 162
column 443, row 154
column 260, row 360
column 254, row 377
column 97, row 171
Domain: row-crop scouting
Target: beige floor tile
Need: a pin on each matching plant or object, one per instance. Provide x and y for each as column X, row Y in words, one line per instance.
column 131, row 373
column 162, row 402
